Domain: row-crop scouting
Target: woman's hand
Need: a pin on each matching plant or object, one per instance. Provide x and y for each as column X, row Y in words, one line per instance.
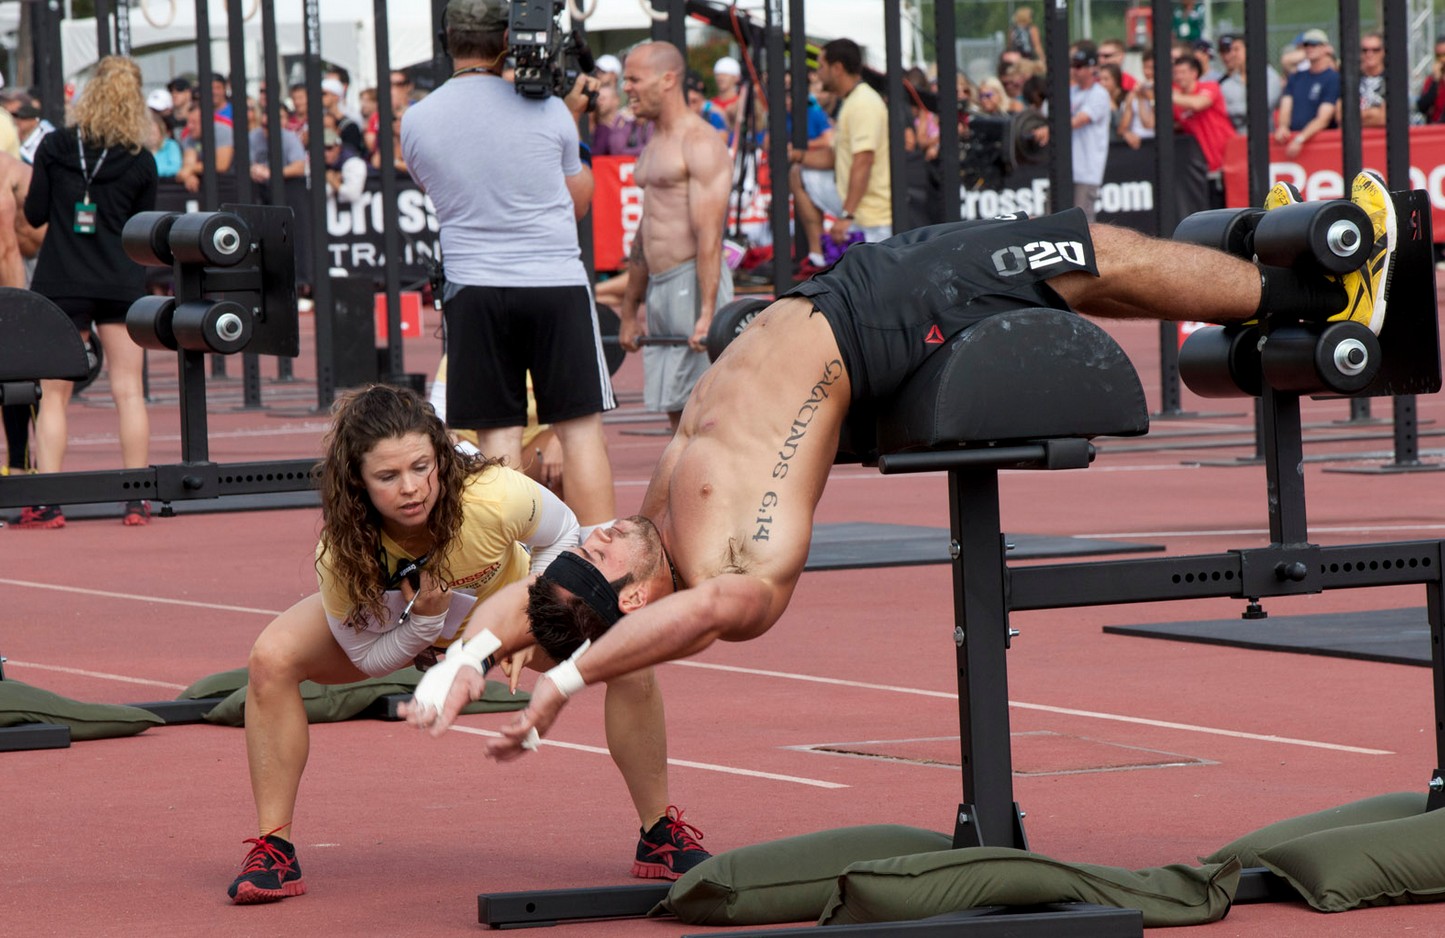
column 431, row 599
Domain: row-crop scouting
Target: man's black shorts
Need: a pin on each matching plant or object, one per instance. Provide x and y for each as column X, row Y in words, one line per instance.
column 894, row 303
column 495, row 335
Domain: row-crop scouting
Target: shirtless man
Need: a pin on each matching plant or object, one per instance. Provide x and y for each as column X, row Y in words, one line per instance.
column 18, row 241
column 676, row 257
column 728, row 516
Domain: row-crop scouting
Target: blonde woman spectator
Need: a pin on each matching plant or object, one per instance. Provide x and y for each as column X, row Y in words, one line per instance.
column 89, row 178
column 1024, row 35
column 992, row 99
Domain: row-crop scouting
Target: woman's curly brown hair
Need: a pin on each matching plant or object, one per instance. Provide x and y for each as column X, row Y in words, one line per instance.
column 111, row 110
column 351, row 525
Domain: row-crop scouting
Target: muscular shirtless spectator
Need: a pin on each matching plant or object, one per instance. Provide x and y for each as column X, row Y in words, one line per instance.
column 676, row 256
column 727, row 519
column 17, row 242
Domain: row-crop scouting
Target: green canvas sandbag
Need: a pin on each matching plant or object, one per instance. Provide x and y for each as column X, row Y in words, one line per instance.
column 331, row 703
column 215, row 685
column 1393, row 862
column 906, row 888
column 786, row 880
column 1366, row 811
column 21, row 703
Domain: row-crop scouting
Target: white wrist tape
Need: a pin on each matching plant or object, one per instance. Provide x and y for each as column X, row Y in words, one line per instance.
column 477, row 651
column 565, row 676
column 434, row 686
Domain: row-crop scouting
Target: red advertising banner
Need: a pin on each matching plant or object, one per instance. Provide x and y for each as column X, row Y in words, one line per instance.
column 616, row 210
column 1316, row 171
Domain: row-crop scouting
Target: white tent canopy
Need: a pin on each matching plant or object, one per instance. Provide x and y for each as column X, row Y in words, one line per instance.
column 348, row 37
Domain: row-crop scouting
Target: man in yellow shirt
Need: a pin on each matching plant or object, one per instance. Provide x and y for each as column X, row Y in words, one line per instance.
column 860, row 143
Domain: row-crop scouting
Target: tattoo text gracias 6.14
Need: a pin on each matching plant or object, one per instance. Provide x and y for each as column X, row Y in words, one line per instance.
column 831, row 373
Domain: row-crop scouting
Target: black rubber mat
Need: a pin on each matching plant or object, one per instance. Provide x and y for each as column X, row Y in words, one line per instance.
column 862, row 544
column 1397, row 636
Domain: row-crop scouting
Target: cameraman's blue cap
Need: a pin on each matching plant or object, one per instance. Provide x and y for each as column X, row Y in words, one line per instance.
column 481, row 16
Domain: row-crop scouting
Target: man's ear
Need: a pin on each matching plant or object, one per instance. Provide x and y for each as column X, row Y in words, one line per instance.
column 633, row 597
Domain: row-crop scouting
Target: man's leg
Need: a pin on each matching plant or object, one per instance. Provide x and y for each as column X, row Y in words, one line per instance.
column 1085, row 196
column 589, row 471
column 807, row 213
column 502, row 443
column 1155, row 278
column 17, row 437
column 637, row 739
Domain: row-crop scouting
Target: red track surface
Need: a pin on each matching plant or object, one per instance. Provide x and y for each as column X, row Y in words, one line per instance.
column 398, row 833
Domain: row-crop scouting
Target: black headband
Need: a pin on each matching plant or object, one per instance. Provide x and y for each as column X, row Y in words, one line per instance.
column 574, row 573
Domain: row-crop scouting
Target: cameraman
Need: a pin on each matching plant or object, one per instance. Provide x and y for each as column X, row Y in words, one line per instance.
column 505, row 175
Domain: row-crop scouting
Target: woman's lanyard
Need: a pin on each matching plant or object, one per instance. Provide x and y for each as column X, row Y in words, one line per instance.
column 85, row 211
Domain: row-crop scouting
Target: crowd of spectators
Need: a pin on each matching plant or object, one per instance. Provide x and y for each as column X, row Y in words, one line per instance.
column 840, row 181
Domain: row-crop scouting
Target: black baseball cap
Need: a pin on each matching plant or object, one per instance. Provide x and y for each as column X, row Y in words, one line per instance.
column 1084, row 57
column 693, row 81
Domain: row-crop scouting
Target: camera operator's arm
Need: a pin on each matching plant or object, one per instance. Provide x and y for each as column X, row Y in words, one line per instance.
column 580, row 186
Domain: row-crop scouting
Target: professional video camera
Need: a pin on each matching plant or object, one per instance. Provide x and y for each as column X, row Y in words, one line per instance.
column 548, row 61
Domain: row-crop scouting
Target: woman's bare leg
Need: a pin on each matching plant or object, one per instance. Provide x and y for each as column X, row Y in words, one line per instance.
column 297, row 646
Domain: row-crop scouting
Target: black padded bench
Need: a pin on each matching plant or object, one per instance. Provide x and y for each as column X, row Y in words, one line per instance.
column 1019, row 390
column 40, row 342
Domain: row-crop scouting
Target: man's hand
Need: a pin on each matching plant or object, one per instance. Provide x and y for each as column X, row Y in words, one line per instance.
column 541, row 713
column 838, row 231
column 1281, row 134
column 1295, row 145
column 629, row 331
column 581, row 95
column 698, row 341
column 441, row 694
column 448, row 687
column 549, row 460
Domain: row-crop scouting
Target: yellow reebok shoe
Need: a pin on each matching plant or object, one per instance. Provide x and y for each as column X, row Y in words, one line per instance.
column 1281, row 193
column 1369, row 287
